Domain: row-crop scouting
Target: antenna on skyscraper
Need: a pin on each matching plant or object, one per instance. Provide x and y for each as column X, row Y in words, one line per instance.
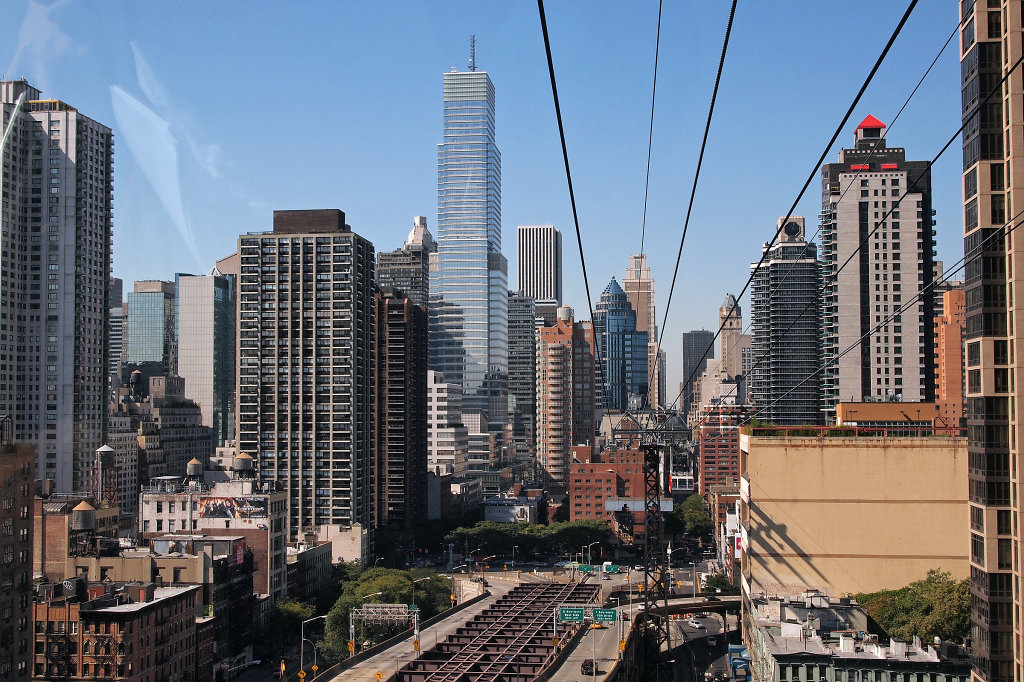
column 472, row 52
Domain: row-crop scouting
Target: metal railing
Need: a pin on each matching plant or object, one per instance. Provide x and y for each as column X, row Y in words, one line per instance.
column 910, row 430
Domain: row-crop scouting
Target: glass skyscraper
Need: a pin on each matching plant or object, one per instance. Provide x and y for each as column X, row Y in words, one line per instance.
column 469, row 279
column 150, row 343
column 623, row 348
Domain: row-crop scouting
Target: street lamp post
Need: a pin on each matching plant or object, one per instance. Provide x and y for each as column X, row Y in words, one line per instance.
column 312, row 646
column 455, row 568
column 302, row 643
column 514, row 548
column 352, row 625
column 414, row 588
column 618, row 621
column 590, row 557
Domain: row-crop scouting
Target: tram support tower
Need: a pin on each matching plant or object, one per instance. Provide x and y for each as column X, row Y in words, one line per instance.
column 657, row 643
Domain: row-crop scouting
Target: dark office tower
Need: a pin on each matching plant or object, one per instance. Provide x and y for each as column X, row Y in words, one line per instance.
column 872, row 186
column 522, row 369
column 993, row 149
column 623, row 348
column 150, row 342
column 784, row 317
column 539, row 259
column 698, row 347
column 306, row 371
column 205, row 318
column 408, row 268
column 56, row 165
column 401, row 419
column 469, row 287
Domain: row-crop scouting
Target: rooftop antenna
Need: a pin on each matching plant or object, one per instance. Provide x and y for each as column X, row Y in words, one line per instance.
column 472, row 52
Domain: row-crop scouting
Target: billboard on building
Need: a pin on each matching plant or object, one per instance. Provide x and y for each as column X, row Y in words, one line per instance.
column 233, row 508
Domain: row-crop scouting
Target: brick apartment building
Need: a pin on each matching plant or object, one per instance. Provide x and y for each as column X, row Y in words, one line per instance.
column 595, row 478
column 719, row 442
column 127, row 631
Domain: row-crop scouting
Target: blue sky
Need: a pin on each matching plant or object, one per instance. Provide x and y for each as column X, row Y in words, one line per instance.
column 223, row 112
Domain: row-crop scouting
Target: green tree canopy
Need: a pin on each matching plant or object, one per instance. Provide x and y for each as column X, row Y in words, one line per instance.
column 694, row 517
column 937, row 606
column 719, row 581
column 395, row 587
column 284, row 619
column 530, row 538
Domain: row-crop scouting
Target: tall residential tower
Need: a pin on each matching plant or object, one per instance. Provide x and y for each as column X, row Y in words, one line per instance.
column 784, row 298
column 57, row 167
column 876, row 212
column 306, row 372
column 993, row 152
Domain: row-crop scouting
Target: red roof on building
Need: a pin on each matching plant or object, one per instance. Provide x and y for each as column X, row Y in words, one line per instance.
column 870, row 122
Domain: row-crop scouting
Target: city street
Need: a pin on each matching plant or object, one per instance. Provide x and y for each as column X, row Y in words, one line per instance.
column 695, row 656
column 601, row 644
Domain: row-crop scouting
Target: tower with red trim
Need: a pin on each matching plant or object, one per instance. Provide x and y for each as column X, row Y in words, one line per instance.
column 877, row 254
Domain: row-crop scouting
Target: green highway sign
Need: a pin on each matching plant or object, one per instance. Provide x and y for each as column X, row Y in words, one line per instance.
column 611, row 569
column 605, row 615
column 570, row 615
column 586, row 568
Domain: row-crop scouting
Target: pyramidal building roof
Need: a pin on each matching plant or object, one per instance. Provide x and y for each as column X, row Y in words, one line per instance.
column 870, row 122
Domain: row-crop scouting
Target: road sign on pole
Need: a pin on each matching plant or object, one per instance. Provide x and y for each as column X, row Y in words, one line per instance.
column 351, row 646
column 570, row 614
column 302, row 674
column 378, row 675
column 605, row 615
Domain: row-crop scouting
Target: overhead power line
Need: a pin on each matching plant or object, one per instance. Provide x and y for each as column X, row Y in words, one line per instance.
column 814, row 170
column 568, row 177
column 1003, row 231
column 700, row 161
column 895, row 205
column 647, row 184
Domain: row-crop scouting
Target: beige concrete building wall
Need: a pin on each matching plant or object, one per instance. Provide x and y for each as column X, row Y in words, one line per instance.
column 846, row 515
